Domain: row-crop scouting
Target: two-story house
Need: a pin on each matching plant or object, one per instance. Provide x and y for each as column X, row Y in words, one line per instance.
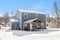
column 31, row 20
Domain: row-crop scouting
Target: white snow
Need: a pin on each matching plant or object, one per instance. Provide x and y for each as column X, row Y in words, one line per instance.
column 30, row 11
column 7, row 36
column 32, row 20
column 14, row 20
column 29, row 21
column 2, row 28
column 47, row 34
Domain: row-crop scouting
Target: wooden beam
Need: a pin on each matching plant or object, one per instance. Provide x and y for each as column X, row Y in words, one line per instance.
column 31, row 24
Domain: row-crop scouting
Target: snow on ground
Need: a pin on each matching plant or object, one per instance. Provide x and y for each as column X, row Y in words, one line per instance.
column 2, row 28
column 47, row 34
column 8, row 36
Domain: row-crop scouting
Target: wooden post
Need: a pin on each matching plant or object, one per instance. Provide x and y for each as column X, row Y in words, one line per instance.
column 42, row 23
column 30, row 26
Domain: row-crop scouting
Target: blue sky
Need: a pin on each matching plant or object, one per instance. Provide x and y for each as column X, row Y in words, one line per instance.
column 37, row 5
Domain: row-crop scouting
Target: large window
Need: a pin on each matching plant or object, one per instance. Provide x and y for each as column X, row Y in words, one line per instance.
column 25, row 15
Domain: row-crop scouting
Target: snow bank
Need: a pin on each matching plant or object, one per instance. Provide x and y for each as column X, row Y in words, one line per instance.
column 4, row 28
column 8, row 36
column 49, row 36
column 22, row 33
column 53, row 34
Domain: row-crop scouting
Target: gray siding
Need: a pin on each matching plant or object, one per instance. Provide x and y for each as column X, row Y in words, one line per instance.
column 33, row 16
column 20, row 17
column 15, row 26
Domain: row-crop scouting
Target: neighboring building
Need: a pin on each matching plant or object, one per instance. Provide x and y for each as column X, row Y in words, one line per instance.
column 31, row 20
column 14, row 24
column 54, row 23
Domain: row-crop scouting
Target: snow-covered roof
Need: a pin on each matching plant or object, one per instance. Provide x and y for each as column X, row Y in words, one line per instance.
column 30, row 11
column 14, row 20
column 31, row 20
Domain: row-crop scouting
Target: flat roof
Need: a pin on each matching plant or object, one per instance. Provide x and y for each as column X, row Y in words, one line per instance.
column 30, row 11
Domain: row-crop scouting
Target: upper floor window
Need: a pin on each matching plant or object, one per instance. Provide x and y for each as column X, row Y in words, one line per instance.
column 25, row 15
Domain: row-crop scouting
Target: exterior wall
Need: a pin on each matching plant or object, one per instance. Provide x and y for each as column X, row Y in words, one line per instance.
column 15, row 26
column 33, row 16
column 18, row 17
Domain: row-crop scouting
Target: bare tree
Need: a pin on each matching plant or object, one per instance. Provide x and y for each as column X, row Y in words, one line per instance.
column 6, row 17
column 12, row 14
column 56, row 11
column 48, row 18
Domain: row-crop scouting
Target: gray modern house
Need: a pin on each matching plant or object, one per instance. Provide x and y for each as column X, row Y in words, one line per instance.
column 31, row 20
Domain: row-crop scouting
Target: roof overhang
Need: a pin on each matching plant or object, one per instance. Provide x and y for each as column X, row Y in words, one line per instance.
column 33, row 20
column 30, row 11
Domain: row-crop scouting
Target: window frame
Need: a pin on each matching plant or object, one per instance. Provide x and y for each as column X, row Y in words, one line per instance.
column 26, row 14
